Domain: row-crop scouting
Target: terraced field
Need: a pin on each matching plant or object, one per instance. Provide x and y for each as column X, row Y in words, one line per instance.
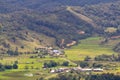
column 91, row 47
column 27, row 65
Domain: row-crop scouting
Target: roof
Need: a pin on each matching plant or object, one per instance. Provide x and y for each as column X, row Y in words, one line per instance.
column 56, row 51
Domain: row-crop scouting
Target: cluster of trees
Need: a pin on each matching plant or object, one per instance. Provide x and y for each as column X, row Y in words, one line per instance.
column 102, row 17
column 13, row 53
column 107, row 57
column 67, row 77
column 103, row 77
column 65, row 26
column 54, row 64
column 103, row 57
column 79, row 76
column 85, row 64
column 5, row 67
column 117, row 48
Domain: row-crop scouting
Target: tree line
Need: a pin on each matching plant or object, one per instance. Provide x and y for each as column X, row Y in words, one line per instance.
column 8, row 67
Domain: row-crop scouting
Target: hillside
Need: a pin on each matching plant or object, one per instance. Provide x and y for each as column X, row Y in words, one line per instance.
column 60, row 39
column 117, row 48
column 48, row 23
column 82, row 17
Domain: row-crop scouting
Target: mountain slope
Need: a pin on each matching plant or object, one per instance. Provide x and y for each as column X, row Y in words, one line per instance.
column 82, row 17
column 47, row 22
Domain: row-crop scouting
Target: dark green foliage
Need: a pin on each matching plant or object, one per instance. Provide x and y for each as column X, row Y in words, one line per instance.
column 51, row 18
column 103, row 58
column 67, row 76
column 107, row 57
column 66, row 63
column 79, row 76
column 8, row 66
column 97, row 65
column 5, row 67
column 15, row 66
column 108, row 18
column 12, row 53
column 50, row 64
column 117, row 48
column 104, row 77
column 1, row 67
column 87, row 58
column 84, row 64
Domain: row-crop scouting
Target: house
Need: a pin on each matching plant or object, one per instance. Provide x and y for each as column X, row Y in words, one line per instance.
column 55, row 52
column 52, row 71
column 60, row 70
column 98, row 70
column 86, row 69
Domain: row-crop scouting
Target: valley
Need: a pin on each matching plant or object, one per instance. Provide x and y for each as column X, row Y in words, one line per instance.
column 59, row 40
column 87, row 47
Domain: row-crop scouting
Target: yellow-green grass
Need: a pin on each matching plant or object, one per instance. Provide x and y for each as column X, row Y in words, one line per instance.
column 34, row 66
column 24, row 60
column 89, row 47
column 20, row 75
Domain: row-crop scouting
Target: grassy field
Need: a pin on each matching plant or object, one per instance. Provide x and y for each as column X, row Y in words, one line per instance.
column 34, row 66
column 90, row 47
column 87, row 47
column 20, row 74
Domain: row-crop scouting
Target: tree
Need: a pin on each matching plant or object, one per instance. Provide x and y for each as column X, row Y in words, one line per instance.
column 84, row 64
column 15, row 66
column 2, row 68
column 66, row 63
column 87, row 58
column 50, row 64
column 26, row 67
column 97, row 65
column 8, row 66
column 13, row 53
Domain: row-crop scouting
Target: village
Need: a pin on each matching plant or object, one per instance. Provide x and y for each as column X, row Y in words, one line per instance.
column 57, row 52
column 79, row 69
column 50, row 51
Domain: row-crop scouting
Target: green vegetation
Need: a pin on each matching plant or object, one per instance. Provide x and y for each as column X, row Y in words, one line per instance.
column 104, row 76
column 83, row 76
column 117, row 48
column 90, row 46
column 29, row 64
column 88, row 30
column 24, row 65
column 29, row 25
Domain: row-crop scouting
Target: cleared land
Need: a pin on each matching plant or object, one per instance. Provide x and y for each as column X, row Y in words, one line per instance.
column 29, row 66
column 86, row 47
column 91, row 47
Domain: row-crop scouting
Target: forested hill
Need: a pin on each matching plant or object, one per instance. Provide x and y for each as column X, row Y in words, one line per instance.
column 7, row 6
column 26, row 24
